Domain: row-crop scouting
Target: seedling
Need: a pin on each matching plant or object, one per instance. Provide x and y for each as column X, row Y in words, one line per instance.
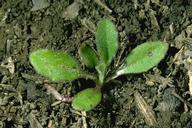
column 60, row 66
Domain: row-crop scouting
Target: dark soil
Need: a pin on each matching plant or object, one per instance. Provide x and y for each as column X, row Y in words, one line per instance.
column 66, row 24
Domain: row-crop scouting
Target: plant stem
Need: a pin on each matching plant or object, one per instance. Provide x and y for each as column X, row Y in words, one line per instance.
column 111, row 78
column 115, row 74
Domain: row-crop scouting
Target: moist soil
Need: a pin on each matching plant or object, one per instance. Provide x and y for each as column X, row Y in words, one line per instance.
column 158, row 98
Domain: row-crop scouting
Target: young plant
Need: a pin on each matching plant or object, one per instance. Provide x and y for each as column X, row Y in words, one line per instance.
column 60, row 66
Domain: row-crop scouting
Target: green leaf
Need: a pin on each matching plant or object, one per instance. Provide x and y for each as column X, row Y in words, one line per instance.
column 88, row 56
column 106, row 41
column 87, row 99
column 143, row 57
column 55, row 65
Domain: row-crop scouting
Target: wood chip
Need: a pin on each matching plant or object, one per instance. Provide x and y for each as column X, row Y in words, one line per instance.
column 145, row 109
column 190, row 81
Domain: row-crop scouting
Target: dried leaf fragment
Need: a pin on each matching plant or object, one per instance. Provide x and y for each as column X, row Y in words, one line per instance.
column 145, row 109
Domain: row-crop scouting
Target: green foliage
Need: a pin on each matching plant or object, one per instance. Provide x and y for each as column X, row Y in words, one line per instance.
column 61, row 66
column 88, row 56
column 106, row 41
column 55, row 65
column 107, row 45
column 87, row 99
column 143, row 57
column 101, row 69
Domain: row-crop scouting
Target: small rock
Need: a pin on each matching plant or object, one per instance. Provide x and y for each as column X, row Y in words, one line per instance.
column 170, row 102
column 72, row 11
column 39, row 4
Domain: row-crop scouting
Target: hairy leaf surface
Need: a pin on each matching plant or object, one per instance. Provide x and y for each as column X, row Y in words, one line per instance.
column 88, row 56
column 87, row 99
column 106, row 41
column 55, row 65
column 143, row 57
